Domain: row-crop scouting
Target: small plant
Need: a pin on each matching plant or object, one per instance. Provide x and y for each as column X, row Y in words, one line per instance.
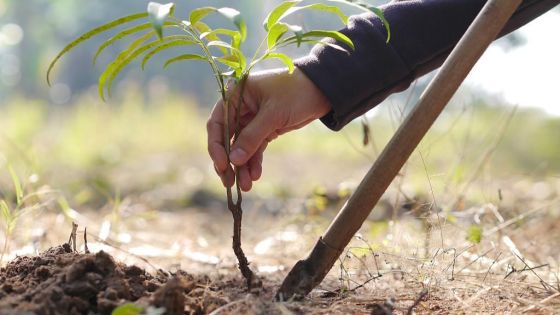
column 221, row 49
column 11, row 211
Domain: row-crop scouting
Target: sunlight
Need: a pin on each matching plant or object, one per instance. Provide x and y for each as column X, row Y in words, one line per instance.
column 526, row 75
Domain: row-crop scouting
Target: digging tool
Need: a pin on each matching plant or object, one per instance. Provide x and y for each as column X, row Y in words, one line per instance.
column 308, row 273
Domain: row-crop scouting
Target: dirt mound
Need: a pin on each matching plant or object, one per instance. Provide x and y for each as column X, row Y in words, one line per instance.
column 60, row 281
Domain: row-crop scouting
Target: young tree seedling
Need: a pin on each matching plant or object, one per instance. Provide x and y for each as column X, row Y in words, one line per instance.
column 159, row 29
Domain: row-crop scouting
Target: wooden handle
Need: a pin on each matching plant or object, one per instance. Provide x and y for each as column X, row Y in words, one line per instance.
column 462, row 59
column 308, row 273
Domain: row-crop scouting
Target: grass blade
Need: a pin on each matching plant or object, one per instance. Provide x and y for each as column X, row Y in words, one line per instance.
column 17, row 185
column 88, row 35
column 5, row 212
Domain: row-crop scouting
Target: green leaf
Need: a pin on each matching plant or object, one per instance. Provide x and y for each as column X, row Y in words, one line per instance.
column 235, row 51
column 364, row 6
column 122, row 56
column 284, row 58
column 120, row 35
column 200, row 13
column 228, row 73
column 158, row 14
column 203, row 28
column 184, row 57
column 90, row 34
column 294, row 40
column 231, row 61
column 126, row 57
column 381, row 16
column 319, row 7
column 474, row 234
column 125, row 33
column 164, row 46
column 213, row 35
column 277, row 12
column 338, row 36
column 237, row 19
column 275, row 33
column 298, row 32
column 17, row 185
column 128, row 309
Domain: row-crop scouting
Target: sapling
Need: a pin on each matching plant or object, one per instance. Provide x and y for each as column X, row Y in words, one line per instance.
column 159, row 29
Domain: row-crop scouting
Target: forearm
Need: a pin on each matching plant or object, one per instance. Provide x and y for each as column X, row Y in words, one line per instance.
column 423, row 33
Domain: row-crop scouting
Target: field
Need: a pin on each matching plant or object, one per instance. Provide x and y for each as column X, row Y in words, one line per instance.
column 470, row 225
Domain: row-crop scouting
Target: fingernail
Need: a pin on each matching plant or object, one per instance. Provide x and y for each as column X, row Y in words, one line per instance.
column 238, row 156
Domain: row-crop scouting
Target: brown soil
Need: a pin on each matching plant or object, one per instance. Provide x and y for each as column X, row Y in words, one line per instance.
column 60, row 281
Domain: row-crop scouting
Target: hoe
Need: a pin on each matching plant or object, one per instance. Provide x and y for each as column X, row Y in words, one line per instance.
column 308, row 273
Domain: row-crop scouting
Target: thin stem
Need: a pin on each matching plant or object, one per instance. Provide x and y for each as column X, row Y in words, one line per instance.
column 5, row 247
column 234, row 207
column 215, row 68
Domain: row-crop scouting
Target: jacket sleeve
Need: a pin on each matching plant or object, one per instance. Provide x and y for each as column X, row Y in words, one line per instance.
column 423, row 33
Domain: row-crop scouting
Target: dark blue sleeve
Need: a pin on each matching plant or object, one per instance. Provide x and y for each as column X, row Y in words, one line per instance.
column 423, row 33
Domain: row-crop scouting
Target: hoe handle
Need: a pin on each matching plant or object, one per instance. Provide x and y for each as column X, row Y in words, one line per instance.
column 308, row 273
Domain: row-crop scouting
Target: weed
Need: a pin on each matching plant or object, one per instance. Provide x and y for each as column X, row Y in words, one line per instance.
column 10, row 212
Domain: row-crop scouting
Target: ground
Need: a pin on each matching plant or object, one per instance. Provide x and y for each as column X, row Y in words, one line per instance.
column 448, row 236
column 494, row 276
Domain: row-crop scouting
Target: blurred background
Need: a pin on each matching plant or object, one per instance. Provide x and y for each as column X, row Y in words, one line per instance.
column 119, row 167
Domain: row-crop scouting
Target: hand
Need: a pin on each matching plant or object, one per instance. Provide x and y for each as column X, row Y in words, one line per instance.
column 274, row 103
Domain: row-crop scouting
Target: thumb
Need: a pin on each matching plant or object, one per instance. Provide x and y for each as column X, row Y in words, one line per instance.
column 251, row 138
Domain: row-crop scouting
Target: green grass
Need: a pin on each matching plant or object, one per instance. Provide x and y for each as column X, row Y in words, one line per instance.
column 69, row 148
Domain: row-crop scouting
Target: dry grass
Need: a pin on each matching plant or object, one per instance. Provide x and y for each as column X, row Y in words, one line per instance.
column 514, row 269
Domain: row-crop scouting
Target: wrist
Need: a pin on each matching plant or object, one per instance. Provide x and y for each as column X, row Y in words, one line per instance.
column 314, row 98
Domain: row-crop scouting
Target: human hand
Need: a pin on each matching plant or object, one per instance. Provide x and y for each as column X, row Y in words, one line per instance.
column 274, row 103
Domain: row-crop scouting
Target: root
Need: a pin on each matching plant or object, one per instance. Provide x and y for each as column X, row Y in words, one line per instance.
column 253, row 282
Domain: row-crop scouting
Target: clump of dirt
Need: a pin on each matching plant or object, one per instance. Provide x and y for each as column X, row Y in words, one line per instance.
column 61, row 281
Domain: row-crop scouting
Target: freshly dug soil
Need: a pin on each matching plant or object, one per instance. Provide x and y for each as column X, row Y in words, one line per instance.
column 60, row 281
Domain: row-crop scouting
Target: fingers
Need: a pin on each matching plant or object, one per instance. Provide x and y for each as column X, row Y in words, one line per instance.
column 215, row 131
column 255, row 163
column 227, row 177
column 245, row 182
column 252, row 137
column 252, row 171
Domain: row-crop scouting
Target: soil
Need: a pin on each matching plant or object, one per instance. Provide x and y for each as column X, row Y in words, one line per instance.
column 60, row 281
